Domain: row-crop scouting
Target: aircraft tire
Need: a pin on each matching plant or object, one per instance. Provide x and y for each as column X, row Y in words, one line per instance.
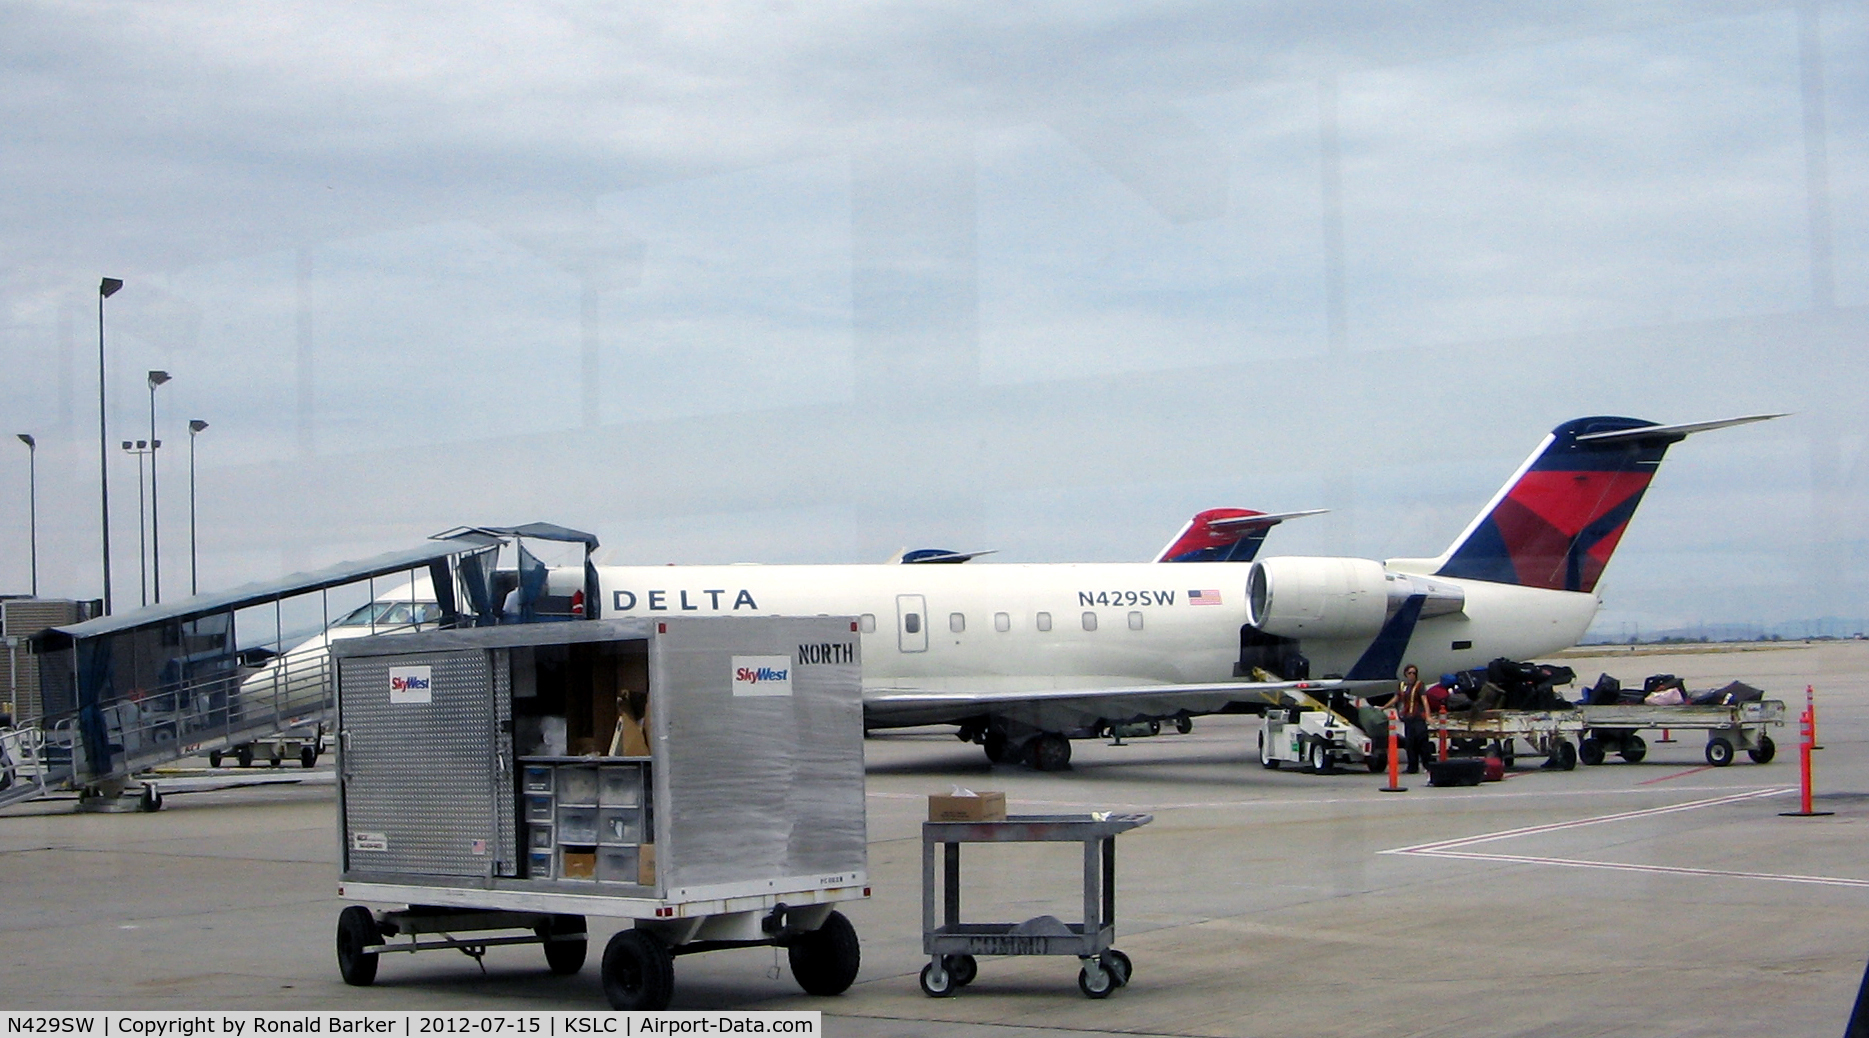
column 1051, row 752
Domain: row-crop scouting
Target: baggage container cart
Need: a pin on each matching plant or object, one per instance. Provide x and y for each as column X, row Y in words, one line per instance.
column 952, row 944
column 1589, row 733
column 700, row 776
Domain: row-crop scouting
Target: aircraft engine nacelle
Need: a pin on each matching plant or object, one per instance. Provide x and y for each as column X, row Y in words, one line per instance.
column 1337, row 598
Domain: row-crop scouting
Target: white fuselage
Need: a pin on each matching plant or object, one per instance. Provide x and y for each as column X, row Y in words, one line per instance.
column 986, row 627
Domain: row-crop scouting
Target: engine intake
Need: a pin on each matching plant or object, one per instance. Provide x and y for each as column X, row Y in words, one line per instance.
column 1335, row 598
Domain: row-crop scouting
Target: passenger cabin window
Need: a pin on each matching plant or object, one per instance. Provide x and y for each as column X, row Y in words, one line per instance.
column 867, row 623
column 957, row 622
column 912, row 623
column 1135, row 621
column 1090, row 621
column 1044, row 621
column 1002, row 623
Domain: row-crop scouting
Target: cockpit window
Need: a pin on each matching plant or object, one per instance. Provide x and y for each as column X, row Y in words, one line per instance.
column 392, row 614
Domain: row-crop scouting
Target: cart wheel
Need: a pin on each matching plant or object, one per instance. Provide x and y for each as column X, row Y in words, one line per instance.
column 1376, row 762
column 639, row 973
column 825, row 961
column 1184, row 724
column 151, row 800
column 1766, row 751
column 1268, row 763
column 995, row 747
column 1101, row 988
column 1051, row 752
column 563, row 956
column 244, row 755
column 275, row 760
column 356, row 930
column 939, row 985
column 214, row 758
column 1566, row 756
column 962, row 968
column 1590, row 751
column 1719, row 752
column 1634, row 748
column 308, row 756
column 1119, row 966
column 1320, row 758
column 1505, row 752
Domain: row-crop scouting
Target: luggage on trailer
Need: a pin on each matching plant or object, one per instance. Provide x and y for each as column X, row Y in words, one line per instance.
column 1728, row 695
column 1457, row 771
column 1606, row 691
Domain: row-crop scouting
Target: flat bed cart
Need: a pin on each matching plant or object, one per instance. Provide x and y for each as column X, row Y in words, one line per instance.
column 701, row 776
column 1589, row 733
column 951, row 944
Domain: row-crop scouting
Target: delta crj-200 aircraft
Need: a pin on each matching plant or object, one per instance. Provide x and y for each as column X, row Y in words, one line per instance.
column 1025, row 657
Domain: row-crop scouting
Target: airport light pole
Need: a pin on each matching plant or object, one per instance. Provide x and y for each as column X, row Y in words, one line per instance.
column 156, row 378
column 32, row 504
column 105, row 289
column 141, row 448
column 195, row 425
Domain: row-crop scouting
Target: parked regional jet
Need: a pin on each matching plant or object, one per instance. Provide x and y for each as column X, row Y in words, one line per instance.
column 1025, row 657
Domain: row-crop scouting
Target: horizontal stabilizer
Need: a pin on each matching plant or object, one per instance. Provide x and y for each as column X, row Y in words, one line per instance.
column 1225, row 535
column 1671, row 433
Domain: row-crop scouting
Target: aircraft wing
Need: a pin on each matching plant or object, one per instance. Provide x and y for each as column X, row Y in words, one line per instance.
column 1061, row 709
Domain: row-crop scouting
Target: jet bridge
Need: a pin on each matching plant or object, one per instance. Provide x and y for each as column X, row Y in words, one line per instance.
column 129, row 692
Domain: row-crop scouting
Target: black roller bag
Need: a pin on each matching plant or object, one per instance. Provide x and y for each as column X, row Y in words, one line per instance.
column 1457, row 771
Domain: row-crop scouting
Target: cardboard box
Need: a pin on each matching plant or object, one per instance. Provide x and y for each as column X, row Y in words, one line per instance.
column 645, row 865
column 579, row 864
column 980, row 807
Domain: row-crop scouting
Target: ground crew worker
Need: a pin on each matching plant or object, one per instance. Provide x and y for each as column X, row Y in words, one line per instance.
column 1411, row 705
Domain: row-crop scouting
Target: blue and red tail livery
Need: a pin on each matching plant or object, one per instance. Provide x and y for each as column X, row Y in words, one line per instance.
column 1225, row 535
column 1555, row 524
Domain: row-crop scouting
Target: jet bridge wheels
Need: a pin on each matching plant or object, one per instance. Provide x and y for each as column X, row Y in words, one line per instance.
column 638, row 972
column 357, row 930
column 825, row 961
column 565, row 944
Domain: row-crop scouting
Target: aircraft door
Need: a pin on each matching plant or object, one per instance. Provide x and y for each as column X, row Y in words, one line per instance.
column 911, row 623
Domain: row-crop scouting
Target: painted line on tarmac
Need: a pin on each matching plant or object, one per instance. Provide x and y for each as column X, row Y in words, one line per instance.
column 1676, row 775
column 1275, row 802
column 1451, row 848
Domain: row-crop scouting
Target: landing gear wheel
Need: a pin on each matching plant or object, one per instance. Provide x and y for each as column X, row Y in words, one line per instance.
column 308, row 756
column 825, row 961
column 963, row 968
column 1266, row 762
column 1051, row 752
column 1184, row 725
column 356, row 930
column 214, row 758
column 937, row 984
column 995, row 745
column 1634, row 748
column 1099, row 986
column 638, row 972
column 1590, row 751
column 1566, row 756
column 1118, row 966
column 564, row 957
column 244, row 755
column 1719, row 752
column 1766, row 751
column 151, row 800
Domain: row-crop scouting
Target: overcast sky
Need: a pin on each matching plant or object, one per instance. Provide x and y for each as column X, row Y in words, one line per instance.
column 814, row 282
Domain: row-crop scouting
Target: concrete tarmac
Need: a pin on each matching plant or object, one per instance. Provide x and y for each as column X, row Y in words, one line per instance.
column 1660, row 898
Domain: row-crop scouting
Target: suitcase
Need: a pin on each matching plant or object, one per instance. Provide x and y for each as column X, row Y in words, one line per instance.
column 1456, row 771
column 1495, row 769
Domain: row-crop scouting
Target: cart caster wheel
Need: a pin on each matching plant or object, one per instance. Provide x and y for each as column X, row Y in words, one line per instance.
column 151, row 800
column 1101, row 987
column 1118, row 966
column 1634, row 748
column 825, row 961
column 1566, row 756
column 1184, row 724
column 1719, row 752
column 214, row 758
column 937, row 984
column 244, row 755
column 1766, row 751
column 562, row 956
column 356, row 930
column 1590, row 751
column 307, row 757
column 963, row 968
column 638, row 972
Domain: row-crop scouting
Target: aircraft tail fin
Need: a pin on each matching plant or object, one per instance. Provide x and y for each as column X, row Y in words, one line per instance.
column 1225, row 535
column 1558, row 519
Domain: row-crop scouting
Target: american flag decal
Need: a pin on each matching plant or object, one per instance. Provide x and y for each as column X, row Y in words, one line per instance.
column 1209, row 597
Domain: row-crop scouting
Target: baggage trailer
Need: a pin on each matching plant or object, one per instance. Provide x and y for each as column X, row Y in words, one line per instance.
column 700, row 776
column 1589, row 733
